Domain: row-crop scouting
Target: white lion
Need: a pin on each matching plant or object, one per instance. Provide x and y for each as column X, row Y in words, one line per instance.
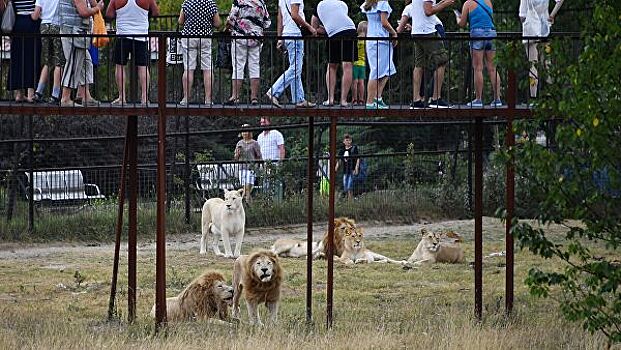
column 434, row 248
column 224, row 218
column 294, row 248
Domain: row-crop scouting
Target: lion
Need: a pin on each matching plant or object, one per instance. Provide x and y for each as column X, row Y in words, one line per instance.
column 293, row 248
column 342, row 227
column 204, row 298
column 258, row 276
column 433, row 248
column 224, row 218
column 355, row 252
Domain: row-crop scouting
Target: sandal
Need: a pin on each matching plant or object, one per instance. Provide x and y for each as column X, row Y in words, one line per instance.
column 254, row 101
column 232, row 102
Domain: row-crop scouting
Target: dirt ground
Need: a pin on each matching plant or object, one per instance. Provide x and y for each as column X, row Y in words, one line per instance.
column 492, row 229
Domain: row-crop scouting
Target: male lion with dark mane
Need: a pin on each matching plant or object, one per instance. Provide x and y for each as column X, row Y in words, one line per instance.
column 204, row 298
column 342, row 227
column 258, row 276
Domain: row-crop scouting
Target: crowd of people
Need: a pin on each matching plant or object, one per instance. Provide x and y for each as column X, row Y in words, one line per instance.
column 70, row 63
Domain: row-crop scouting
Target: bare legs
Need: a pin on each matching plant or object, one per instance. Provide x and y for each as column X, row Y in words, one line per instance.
column 346, row 81
column 417, row 76
column 375, row 88
column 121, row 77
column 477, row 66
column 188, row 81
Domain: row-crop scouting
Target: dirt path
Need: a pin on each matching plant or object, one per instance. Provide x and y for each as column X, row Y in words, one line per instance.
column 255, row 236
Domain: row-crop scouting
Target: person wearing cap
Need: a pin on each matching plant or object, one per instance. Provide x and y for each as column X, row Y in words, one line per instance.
column 247, row 152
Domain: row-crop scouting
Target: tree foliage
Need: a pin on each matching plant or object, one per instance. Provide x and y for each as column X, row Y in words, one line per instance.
column 580, row 176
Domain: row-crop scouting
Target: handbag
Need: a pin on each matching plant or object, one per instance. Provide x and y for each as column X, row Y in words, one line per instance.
column 223, row 59
column 8, row 18
column 174, row 54
column 99, row 27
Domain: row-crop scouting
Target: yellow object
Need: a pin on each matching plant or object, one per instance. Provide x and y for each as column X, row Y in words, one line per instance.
column 99, row 27
column 324, row 186
column 361, row 62
column 595, row 122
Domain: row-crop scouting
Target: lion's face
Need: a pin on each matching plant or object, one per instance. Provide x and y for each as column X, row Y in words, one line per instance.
column 431, row 240
column 223, row 291
column 343, row 227
column 263, row 268
column 353, row 240
column 233, row 199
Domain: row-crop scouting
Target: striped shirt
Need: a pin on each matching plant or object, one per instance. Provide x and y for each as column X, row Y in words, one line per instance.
column 269, row 144
column 24, row 6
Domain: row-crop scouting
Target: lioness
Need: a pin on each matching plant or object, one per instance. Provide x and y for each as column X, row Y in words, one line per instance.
column 258, row 276
column 354, row 251
column 224, row 218
column 342, row 227
column 432, row 248
column 293, row 248
column 204, row 298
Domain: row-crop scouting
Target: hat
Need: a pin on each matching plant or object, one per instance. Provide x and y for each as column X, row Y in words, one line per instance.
column 244, row 126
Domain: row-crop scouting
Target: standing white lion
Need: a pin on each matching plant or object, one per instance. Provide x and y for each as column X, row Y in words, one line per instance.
column 224, row 218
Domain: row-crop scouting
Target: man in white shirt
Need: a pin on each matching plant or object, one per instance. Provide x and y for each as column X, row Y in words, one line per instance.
column 272, row 146
column 424, row 21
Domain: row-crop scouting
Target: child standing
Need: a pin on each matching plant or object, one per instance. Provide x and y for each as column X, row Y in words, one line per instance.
column 360, row 67
column 52, row 56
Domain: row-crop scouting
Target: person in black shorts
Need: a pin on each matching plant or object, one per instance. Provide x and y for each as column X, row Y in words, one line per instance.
column 330, row 17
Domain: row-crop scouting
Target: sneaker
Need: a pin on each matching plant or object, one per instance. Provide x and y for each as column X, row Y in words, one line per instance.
column 183, row 102
column 54, row 101
column 376, row 105
column 38, row 98
column 273, row 99
column 475, row 104
column 496, row 103
column 417, row 104
column 439, row 103
column 118, row 102
column 380, row 103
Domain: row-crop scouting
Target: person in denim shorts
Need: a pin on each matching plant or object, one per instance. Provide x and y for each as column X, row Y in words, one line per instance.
column 482, row 30
column 52, row 56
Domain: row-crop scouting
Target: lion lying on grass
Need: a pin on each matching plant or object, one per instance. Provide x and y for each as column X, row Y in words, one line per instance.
column 355, row 252
column 434, row 247
column 294, row 248
column 258, row 276
column 224, row 218
column 204, row 298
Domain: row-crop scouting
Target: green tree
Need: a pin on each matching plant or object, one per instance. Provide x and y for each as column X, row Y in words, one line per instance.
column 580, row 176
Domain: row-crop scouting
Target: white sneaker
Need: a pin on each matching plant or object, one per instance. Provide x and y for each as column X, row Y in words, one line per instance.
column 475, row 104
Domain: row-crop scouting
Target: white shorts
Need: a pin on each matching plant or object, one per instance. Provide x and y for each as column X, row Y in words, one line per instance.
column 195, row 49
column 246, row 177
column 242, row 53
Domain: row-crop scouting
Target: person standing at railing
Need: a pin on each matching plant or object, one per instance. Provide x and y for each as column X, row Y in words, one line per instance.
column 52, row 56
column 198, row 18
column 247, row 18
column 248, row 152
column 272, row 145
column 75, row 18
column 331, row 18
column 25, row 52
column 536, row 21
column 290, row 20
column 359, row 72
column 480, row 14
column 429, row 50
column 379, row 51
column 132, row 18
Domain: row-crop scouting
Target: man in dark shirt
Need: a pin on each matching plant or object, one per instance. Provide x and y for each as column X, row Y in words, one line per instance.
column 348, row 155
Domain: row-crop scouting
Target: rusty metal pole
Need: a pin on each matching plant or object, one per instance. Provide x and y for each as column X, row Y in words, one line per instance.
column 117, row 230
column 132, row 127
column 330, row 257
column 478, row 218
column 510, row 195
column 160, row 259
column 309, row 220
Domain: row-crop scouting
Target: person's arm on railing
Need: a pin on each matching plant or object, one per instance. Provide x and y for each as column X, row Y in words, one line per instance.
column 217, row 22
column 111, row 10
column 281, row 151
column 434, row 9
column 388, row 26
column 316, row 23
column 403, row 23
column 36, row 14
column 295, row 15
column 557, row 7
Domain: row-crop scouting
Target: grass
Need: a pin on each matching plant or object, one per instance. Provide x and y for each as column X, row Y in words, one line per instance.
column 44, row 305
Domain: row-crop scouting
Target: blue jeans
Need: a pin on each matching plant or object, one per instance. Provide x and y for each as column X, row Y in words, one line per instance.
column 348, row 182
column 292, row 77
column 484, row 35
